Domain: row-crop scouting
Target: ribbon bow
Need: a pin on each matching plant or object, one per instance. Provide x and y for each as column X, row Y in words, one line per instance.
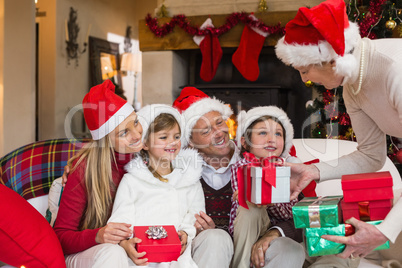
column 156, row 232
column 263, row 162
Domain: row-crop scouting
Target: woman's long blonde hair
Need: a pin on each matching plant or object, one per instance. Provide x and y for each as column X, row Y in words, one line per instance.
column 97, row 155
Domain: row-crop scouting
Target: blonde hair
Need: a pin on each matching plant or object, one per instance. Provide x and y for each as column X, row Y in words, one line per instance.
column 98, row 181
column 163, row 121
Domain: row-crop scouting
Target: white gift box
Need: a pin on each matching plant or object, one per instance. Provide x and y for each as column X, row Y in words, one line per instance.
column 279, row 194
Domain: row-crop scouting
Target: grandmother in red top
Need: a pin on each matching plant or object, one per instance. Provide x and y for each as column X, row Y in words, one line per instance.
column 327, row 49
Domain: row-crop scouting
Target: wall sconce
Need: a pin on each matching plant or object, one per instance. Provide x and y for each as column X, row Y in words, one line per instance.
column 72, row 30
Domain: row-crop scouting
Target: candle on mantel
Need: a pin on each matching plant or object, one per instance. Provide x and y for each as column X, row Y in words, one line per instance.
column 87, row 37
column 66, row 24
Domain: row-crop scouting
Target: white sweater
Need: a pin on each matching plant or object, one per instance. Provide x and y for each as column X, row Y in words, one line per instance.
column 143, row 200
column 374, row 112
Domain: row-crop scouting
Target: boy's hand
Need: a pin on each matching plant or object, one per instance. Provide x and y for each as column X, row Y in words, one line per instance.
column 183, row 239
column 235, row 195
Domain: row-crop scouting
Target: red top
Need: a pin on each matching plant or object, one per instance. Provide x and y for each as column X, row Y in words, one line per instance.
column 72, row 207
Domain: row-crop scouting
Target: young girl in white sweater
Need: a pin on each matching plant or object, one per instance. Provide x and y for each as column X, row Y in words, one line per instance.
column 162, row 185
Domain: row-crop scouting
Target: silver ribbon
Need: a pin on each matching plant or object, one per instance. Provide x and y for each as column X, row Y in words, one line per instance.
column 156, row 232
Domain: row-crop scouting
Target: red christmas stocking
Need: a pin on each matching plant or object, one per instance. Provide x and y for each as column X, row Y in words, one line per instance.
column 246, row 56
column 211, row 52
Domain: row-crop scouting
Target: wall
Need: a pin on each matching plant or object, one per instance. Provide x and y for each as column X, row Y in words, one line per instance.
column 62, row 85
column 1, row 76
column 17, row 79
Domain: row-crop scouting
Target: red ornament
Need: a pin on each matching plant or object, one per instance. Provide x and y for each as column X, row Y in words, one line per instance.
column 399, row 156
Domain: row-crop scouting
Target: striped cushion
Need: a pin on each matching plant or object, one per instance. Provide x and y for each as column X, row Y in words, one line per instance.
column 31, row 169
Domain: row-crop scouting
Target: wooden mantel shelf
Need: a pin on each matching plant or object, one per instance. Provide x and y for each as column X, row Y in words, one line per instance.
column 179, row 39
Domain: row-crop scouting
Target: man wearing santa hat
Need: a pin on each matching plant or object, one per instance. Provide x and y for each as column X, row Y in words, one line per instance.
column 327, row 49
column 206, row 130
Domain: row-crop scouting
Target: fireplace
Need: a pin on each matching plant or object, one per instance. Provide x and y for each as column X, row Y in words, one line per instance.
column 277, row 84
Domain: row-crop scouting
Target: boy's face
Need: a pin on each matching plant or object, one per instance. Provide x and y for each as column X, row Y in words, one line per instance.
column 210, row 135
column 126, row 137
column 266, row 139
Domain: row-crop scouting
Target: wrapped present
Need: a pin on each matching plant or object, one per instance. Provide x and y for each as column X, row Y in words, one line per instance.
column 314, row 212
column 263, row 182
column 317, row 246
column 367, row 186
column 161, row 243
column 366, row 210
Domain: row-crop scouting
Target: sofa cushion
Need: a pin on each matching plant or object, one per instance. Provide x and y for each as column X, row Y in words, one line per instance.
column 31, row 169
column 54, row 200
column 26, row 237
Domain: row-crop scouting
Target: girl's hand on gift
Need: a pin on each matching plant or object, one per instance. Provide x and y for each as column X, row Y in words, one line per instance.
column 301, row 176
column 260, row 247
column 365, row 239
column 183, row 239
column 203, row 222
column 113, row 233
column 235, row 195
column 129, row 247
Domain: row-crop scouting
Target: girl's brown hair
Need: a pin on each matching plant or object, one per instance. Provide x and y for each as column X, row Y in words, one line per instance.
column 249, row 131
column 163, row 121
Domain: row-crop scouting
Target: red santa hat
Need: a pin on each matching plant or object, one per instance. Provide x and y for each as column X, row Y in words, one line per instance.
column 104, row 110
column 193, row 104
column 148, row 113
column 320, row 34
column 245, row 119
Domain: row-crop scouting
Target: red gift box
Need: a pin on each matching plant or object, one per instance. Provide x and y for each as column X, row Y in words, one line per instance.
column 366, row 210
column 159, row 250
column 367, row 186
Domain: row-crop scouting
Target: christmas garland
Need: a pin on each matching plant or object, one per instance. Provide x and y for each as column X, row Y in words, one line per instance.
column 231, row 21
column 369, row 21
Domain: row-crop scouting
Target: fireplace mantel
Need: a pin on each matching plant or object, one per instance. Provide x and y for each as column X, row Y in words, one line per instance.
column 180, row 40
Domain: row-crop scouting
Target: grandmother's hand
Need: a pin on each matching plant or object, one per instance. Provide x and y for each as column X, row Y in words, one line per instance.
column 301, row 176
column 365, row 239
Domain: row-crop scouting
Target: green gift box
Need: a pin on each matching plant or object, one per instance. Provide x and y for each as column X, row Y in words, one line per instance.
column 315, row 212
column 317, row 246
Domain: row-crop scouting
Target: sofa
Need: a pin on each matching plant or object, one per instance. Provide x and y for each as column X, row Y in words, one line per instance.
column 30, row 170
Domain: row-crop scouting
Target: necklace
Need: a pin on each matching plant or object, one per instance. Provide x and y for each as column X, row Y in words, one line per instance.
column 361, row 70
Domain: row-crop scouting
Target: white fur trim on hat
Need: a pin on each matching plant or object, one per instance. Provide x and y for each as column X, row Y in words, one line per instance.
column 245, row 119
column 149, row 112
column 198, row 109
column 113, row 122
column 303, row 55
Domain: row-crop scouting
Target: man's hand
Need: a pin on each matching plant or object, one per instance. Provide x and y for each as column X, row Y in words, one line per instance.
column 183, row 239
column 113, row 233
column 301, row 176
column 65, row 175
column 260, row 247
column 365, row 239
column 203, row 222
column 129, row 247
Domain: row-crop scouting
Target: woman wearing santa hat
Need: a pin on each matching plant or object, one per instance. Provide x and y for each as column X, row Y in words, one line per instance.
column 81, row 225
column 327, row 49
